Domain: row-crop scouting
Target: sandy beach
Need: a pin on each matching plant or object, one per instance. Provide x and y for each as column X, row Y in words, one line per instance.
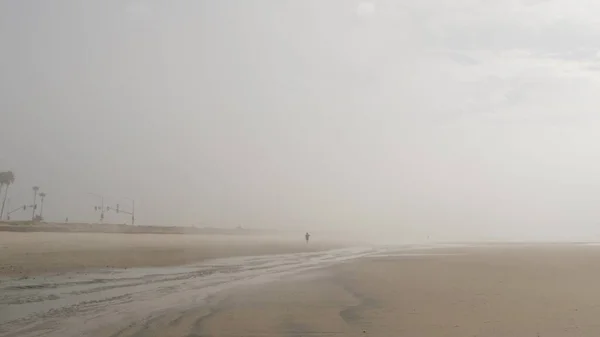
column 30, row 254
column 516, row 291
column 497, row 290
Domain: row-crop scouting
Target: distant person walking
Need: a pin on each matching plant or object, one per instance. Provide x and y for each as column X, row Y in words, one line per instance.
column 307, row 236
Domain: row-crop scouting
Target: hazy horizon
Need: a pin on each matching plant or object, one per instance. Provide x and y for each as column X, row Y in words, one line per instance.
column 467, row 119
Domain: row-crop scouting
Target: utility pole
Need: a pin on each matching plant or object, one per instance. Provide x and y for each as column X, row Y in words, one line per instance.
column 101, row 207
column 24, row 207
column 132, row 211
column 119, row 210
column 35, row 192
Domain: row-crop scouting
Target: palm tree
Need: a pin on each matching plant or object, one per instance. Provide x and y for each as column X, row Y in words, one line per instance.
column 6, row 178
column 35, row 193
column 42, row 196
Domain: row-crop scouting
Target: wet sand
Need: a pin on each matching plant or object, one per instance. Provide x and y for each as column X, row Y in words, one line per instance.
column 31, row 254
column 143, row 301
column 533, row 291
column 512, row 290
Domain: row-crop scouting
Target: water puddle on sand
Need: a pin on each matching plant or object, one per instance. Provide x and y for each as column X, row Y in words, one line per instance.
column 76, row 304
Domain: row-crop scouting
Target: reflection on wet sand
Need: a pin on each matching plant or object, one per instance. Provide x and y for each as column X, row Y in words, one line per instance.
column 75, row 304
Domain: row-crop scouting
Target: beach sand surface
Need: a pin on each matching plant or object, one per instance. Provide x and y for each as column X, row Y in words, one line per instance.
column 546, row 291
column 30, row 254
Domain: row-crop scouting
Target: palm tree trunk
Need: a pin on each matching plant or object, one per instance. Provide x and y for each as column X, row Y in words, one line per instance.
column 3, row 201
column 42, row 209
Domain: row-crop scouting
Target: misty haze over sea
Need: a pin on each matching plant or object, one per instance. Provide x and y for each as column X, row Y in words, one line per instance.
column 393, row 120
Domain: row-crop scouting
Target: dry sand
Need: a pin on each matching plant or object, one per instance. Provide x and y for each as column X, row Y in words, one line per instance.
column 28, row 254
column 542, row 291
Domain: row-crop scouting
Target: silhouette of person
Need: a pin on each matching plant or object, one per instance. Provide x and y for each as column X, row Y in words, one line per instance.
column 307, row 236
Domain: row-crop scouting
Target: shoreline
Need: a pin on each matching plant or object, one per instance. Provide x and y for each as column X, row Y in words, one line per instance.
column 42, row 253
column 30, row 254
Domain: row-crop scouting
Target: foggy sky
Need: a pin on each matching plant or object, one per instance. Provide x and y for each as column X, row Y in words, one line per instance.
column 463, row 118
